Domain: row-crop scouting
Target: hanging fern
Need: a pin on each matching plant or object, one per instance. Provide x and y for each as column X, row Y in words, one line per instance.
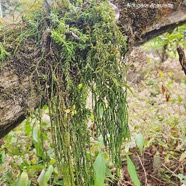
column 91, row 52
column 75, row 56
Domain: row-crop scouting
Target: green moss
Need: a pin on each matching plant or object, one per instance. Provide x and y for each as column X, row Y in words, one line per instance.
column 78, row 51
column 3, row 52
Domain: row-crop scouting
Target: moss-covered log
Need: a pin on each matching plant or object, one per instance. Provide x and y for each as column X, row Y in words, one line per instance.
column 139, row 24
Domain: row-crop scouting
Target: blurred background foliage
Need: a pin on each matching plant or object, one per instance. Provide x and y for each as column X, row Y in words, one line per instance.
column 11, row 11
column 165, row 45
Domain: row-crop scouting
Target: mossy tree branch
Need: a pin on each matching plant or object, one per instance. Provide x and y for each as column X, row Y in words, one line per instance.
column 139, row 26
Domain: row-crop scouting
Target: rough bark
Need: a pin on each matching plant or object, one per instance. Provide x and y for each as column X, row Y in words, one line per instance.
column 165, row 24
column 15, row 97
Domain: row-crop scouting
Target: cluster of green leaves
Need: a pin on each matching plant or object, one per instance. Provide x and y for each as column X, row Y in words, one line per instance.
column 157, row 162
column 30, row 153
column 33, row 163
column 169, row 41
column 3, row 52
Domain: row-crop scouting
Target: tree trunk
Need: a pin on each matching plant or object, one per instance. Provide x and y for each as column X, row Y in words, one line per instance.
column 138, row 24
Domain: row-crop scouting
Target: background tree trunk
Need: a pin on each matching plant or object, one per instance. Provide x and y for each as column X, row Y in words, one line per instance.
column 1, row 11
column 16, row 99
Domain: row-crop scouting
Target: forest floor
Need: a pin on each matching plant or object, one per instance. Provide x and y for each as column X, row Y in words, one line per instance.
column 157, row 110
column 157, row 107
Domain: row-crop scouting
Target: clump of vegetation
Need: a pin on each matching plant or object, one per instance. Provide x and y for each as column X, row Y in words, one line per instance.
column 91, row 50
column 75, row 55
column 70, row 54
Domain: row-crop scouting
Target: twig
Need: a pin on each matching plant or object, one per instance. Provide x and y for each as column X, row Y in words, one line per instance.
column 156, row 179
column 176, row 169
column 143, row 169
column 172, row 172
column 168, row 169
column 76, row 37
column 128, row 183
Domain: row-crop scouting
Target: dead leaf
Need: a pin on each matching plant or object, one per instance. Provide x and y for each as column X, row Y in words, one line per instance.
column 183, row 156
column 163, row 89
